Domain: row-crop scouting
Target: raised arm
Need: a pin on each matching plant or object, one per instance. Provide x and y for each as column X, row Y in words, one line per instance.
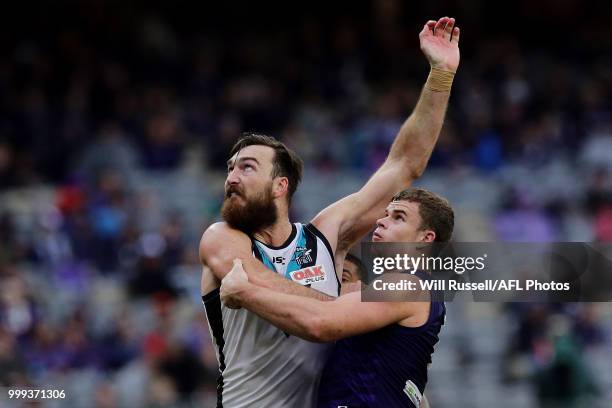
column 220, row 244
column 347, row 220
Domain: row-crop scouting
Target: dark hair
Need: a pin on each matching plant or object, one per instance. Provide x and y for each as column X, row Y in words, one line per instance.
column 286, row 163
column 435, row 211
column 361, row 270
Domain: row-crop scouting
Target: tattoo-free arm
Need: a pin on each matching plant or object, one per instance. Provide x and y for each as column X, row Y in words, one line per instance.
column 318, row 321
column 220, row 245
column 349, row 219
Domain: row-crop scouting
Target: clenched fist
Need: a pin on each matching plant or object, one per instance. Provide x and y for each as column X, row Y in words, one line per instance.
column 233, row 284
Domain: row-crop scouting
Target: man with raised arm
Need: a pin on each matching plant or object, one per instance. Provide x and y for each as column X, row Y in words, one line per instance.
column 384, row 347
column 261, row 365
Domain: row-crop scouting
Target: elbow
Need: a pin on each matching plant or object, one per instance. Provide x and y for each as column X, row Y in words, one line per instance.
column 416, row 172
column 317, row 330
column 416, row 169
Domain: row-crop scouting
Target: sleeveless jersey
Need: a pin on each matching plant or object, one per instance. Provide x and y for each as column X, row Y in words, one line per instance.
column 260, row 365
column 384, row 368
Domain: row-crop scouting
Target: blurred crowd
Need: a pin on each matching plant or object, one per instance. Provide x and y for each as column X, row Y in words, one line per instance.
column 100, row 285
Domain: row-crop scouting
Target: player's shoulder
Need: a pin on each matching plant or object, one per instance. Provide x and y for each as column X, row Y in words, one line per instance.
column 217, row 227
column 220, row 233
column 213, row 230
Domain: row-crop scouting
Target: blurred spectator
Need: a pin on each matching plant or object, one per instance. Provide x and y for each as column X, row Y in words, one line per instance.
column 523, row 221
column 563, row 380
column 12, row 365
column 17, row 314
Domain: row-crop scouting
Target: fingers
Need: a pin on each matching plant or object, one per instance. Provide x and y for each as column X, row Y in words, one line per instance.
column 424, row 31
column 440, row 26
column 428, row 27
column 456, row 33
column 448, row 30
column 443, row 28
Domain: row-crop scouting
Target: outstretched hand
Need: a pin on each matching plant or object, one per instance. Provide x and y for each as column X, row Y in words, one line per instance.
column 233, row 284
column 440, row 43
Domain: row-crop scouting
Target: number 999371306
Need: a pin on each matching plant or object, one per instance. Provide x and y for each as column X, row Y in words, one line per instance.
column 32, row 394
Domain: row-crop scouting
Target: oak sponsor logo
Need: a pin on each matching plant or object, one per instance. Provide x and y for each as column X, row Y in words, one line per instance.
column 308, row 276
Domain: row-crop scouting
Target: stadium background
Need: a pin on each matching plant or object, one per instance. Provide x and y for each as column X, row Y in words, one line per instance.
column 116, row 120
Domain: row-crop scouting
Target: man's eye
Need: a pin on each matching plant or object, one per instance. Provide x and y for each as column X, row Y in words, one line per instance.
column 248, row 166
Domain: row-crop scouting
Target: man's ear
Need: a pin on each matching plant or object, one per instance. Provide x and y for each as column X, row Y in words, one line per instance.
column 280, row 187
column 428, row 236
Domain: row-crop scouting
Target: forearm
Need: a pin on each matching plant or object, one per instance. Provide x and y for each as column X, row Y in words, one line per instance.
column 272, row 280
column 220, row 245
column 295, row 315
column 418, row 135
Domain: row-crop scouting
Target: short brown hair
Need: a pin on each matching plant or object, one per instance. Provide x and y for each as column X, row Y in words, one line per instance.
column 435, row 211
column 286, row 163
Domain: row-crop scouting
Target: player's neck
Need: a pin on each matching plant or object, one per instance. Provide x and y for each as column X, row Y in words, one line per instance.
column 276, row 234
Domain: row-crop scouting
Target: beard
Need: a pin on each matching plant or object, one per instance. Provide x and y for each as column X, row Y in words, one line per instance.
column 249, row 214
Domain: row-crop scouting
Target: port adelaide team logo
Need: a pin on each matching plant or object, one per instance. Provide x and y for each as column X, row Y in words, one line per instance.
column 303, row 255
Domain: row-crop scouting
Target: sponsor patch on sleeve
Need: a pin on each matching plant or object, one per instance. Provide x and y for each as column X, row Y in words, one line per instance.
column 412, row 391
column 310, row 275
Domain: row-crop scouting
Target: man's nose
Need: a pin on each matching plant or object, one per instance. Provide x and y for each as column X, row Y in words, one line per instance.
column 381, row 222
column 232, row 178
